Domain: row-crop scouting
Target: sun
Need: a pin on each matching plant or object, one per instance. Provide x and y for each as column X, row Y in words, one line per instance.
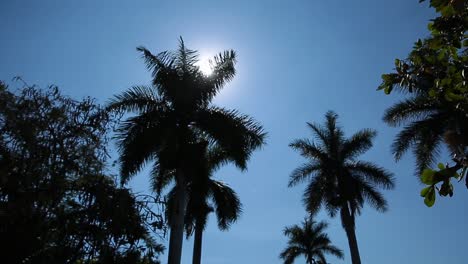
column 204, row 65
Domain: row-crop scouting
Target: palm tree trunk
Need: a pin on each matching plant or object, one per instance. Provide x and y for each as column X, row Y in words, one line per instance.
column 177, row 221
column 348, row 224
column 197, row 244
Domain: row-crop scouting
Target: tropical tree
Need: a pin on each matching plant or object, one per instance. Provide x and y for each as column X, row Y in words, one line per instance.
column 434, row 79
column 206, row 195
column 172, row 116
column 310, row 241
column 57, row 204
column 336, row 179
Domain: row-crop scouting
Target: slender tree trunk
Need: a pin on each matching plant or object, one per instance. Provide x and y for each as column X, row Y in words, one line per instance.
column 197, row 244
column 348, row 224
column 177, row 221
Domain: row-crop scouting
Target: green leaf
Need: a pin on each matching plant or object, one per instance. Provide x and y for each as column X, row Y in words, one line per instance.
column 388, row 89
column 441, row 166
column 430, row 197
column 424, row 191
column 448, row 11
column 397, row 63
column 427, row 176
column 449, row 96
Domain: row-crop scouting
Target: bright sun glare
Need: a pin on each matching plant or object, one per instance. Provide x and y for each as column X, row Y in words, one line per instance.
column 204, row 64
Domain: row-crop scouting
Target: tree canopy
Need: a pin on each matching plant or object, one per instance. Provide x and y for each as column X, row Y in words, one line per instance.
column 434, row 78
column 58, row 203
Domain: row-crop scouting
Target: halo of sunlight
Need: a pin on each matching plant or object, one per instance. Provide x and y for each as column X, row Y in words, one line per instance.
column 204, row 65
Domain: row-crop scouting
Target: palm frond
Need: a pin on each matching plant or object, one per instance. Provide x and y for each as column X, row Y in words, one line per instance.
column 373, row 173
column 427, row 146
column 409, row 110
column 359, row 143
column 293, row 231
column 301, row 173
column 138, row 142
column 310, row 240
column 318, row 229
column 136, row 99
column 308, row 149
column 290, row 254
column 320, row 133
column 227, row 205
column 160, row 177
column 332, row 250
column 334, row 132
column 223, row 66
column 314, row 195
column 185, row 58
column 373, row 197
column 161, row 62
column 238, row 134
column 429, row 129
column 217, row 157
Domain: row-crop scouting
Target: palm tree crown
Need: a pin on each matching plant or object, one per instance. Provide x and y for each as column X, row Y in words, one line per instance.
column 175, row 110
column 428, row 123
column 206, row 195
column 173, row 122
column 336, row 179
column 310, row 241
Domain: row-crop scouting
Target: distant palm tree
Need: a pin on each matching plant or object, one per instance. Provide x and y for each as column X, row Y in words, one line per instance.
column 429, row 123
column 310, row 241
column 171, row 116
column 336, row 179
column 206, row 195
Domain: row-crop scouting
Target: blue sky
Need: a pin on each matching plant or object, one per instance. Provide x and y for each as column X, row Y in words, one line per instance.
column 297, row 59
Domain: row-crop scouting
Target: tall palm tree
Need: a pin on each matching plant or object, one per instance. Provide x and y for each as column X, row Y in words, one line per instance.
column 428, row 124
column 171, row 116
column 310, row 241
column 336, row 179
column 206, row 195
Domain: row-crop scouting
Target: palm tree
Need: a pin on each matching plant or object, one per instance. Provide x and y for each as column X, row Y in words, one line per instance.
column 171, row 116
column 206, row 195
column 428, row 123
column 310, row 241
column 336, row 179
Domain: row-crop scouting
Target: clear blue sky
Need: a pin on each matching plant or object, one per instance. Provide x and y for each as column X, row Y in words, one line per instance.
column 297, row 59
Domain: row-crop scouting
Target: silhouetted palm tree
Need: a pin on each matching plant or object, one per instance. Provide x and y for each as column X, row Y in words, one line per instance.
column 310, row 241
column 336, row 179
column 171, row 116
column 206, row 195
column 428, row 123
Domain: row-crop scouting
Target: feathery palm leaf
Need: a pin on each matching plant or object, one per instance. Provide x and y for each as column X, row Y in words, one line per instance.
column 308, row 240
column 426, row 123
column 337, row 181
column 173, row 121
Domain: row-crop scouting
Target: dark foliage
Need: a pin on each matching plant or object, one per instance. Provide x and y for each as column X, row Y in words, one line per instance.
column 434, row 78
column 174, row 120
column 336, row 179
column 56, row 203
column 310, row 241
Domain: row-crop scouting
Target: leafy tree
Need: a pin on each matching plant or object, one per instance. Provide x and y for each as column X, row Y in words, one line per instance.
column 174, row 118
column 56, row 203
column 433, row 77
column 336, row 179
column 310, row 241
column 206, row 195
